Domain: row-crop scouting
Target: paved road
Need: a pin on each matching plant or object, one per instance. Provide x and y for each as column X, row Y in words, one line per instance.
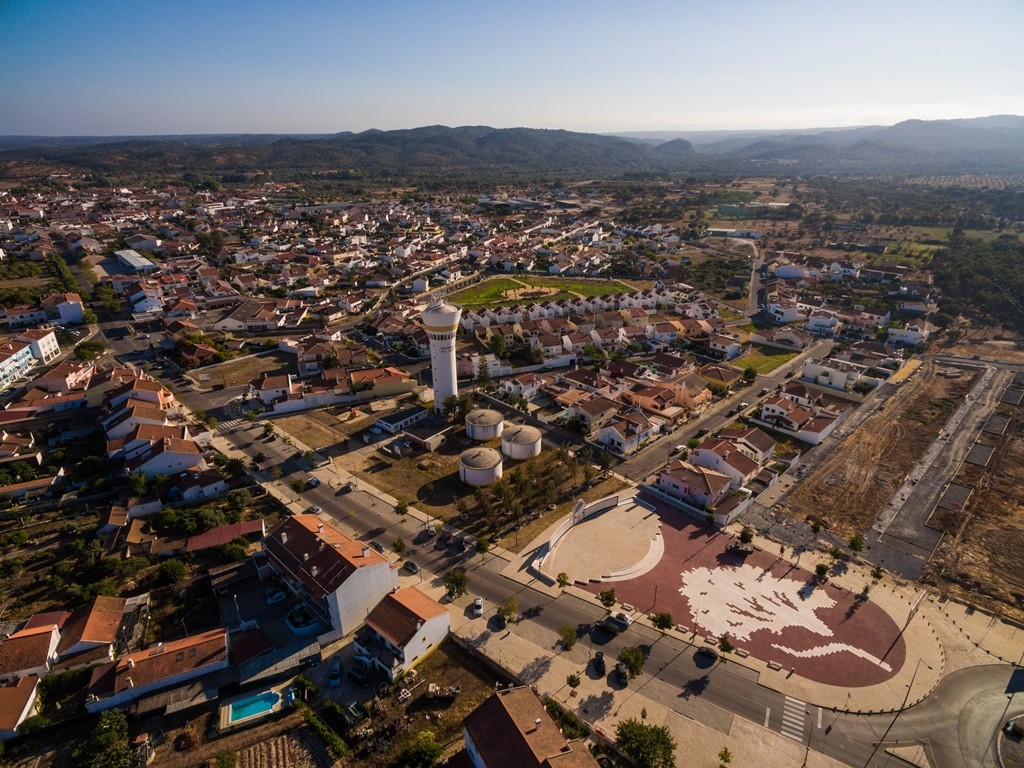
column 957, row 721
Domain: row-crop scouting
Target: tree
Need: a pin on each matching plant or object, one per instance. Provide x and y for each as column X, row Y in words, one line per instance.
column 646, row 746
column 749, row 373
column 662, row 620
column 726, row 644
column 725, row 757
column 877, row 573
column 234, row 467
column 483, row 544
column 211, row 422
column 401, row 507
column 456, row 582
column 856, row 543
column 607, row 598
column 573, row 681
column 297, row 485
column 399, row 545
column 268, row 429
column 137, row 484
column 483, row 375
column 633, row 658
column 450, row 404
column 422, row 752
column 563, row 580
column 106, row 746
column 567, row 632
column 172, row 571
column 508, row 609
column 746, row 535
column 89, row 317
column 821, row 571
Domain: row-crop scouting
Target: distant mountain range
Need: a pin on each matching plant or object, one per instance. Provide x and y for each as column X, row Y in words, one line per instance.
column 989, row 145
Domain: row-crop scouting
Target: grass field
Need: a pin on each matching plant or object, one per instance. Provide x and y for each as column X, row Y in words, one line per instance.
column 503, row 291
column 764, row 359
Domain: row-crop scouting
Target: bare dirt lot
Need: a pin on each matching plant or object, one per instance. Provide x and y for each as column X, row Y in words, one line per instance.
column 237, row 372
column 325, row 428
column 979, row 560
column 988, row 344
column 847, row 490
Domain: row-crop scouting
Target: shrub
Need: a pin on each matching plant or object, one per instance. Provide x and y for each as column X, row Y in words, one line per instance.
column 325, row 732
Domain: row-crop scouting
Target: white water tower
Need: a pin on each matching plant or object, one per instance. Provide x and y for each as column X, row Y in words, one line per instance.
column 441, row 322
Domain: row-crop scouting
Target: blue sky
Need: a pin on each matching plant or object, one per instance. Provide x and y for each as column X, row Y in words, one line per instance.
column 157, row 67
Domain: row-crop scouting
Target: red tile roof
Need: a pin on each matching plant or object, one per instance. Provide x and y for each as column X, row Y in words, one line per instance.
column 400, row 615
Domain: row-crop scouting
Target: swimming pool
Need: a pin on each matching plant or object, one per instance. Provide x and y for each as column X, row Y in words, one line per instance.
column 260, row 704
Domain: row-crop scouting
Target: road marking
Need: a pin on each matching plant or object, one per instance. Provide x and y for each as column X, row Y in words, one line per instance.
column 793, row 719
column 767, row 715
column 819, row 717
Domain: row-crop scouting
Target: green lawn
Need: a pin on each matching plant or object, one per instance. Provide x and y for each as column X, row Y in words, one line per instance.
column 489, row 292
column 764, row 359
column 579, row 286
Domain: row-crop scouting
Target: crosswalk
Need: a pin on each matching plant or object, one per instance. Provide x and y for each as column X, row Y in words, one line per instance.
column 230, row 424
column 793, row 719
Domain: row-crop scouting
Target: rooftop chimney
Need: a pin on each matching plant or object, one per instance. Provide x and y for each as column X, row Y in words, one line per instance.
column 536, row 724
column 314, row 571
column 366, row 550
column 305, row 556
column 284, row 537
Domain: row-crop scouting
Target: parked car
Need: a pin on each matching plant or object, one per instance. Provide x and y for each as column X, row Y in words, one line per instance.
column 357, row 675
column 314, row 510
column 478, row 606
column 377, row 546
column 744, row 405
column 615, row 622
column 411, row 567
column 741, row 549
column 708, row 653
column 678, row 449
column 763, row 392
column 599, row 665
column 275, row 596
column 335, row 679
column 702, row 431
column 312, row 482
column 345, row 488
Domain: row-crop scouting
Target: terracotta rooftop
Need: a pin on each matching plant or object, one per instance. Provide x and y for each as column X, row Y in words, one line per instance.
column 400, row 614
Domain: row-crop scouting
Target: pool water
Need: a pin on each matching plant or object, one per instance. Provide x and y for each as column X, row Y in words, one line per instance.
column 260, row 704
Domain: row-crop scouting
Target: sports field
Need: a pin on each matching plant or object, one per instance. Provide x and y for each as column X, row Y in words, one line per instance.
column 503, row 291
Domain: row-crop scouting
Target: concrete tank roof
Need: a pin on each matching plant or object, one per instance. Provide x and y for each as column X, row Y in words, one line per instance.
column 484, row 417
column 480, row 458
column 521, row 434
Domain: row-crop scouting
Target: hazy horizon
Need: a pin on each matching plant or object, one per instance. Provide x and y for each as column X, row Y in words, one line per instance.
column 122, row 68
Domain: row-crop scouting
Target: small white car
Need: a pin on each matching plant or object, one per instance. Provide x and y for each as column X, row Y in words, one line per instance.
column 478, row 606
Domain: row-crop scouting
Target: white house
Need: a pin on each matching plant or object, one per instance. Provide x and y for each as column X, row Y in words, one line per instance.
column 17, row 702
column 340, row 578
column 401, row 630
column 29, row 651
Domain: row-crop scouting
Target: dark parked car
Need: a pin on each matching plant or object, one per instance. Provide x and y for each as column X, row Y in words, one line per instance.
column 622, row 674
column 357, row 675
column 708, row 653
column 599, row 665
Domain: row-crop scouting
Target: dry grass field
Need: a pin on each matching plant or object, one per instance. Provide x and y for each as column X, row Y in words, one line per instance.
column 238, row 372
column 848, row 490
column 979, row 560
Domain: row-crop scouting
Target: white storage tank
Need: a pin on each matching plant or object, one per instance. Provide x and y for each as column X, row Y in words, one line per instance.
column 480, row 466
column 484, row 424
column 521, row 442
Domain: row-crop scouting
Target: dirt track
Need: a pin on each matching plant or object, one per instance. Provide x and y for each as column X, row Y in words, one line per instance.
column 849, row 488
